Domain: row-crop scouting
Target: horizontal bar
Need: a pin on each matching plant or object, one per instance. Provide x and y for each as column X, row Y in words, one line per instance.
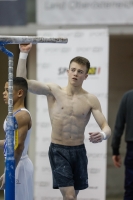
column 29, row 39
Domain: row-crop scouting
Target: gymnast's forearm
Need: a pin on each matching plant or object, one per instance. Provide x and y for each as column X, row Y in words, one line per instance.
column 2, row 144
column 21, row 68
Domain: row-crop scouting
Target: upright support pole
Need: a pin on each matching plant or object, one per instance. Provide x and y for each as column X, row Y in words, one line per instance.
column 10, row 161
column 11, row 122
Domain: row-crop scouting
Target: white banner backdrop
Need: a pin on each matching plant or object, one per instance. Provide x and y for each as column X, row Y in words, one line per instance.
column 84, row 12
column 52, row 63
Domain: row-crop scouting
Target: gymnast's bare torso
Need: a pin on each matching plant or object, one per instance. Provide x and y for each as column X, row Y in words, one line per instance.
column 69, row 115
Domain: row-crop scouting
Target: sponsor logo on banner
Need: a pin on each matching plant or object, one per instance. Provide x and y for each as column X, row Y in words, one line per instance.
column 43, row 154
column 77, row 34
column 89, row 49
column 101, row 95
column 43, row 65
column 62, row 70
column 46, row 169
column 56, row 50
column 94, row 70
column 42, row 183
column 97, row 34
column 93, row 187
column 62, row 73
column 44, row 124
column 94, row 170
column 60, row 198
column 96, row 156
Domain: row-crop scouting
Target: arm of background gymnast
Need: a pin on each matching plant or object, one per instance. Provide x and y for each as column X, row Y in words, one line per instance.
column 2, row 178
column 23, row 120
column 2, row 144
column 118, row 132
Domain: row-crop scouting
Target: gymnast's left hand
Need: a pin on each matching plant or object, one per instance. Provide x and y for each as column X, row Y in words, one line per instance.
column 2, row 179
column 95, row 137
column 25, row 48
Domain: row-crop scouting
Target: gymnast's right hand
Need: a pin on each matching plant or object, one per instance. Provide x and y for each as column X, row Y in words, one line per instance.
column 25, row 48
column 2, row 179
column 116, row 160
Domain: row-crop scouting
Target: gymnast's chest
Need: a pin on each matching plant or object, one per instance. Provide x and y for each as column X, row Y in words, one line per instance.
column 71, row 106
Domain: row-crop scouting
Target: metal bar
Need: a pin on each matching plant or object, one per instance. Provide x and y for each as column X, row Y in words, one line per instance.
column 29, row 39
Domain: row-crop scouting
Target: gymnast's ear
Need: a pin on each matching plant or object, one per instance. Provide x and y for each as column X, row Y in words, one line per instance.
column 86, row 76
column 20, row 93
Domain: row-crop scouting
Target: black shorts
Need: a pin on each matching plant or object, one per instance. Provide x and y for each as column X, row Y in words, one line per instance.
column 69, row 166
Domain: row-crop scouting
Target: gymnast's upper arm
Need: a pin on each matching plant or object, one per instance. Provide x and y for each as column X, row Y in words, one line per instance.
column 2, row 144
column 39, row 88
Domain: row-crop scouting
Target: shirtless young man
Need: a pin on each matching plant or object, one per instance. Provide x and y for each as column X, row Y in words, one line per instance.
column 24, row 166
column 69, row 110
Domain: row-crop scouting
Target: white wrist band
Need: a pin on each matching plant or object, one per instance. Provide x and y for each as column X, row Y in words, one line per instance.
column 23, row 55
column 104, row 135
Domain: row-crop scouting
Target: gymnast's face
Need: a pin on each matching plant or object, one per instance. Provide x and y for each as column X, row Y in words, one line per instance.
column 5, row 94
column 77, row 74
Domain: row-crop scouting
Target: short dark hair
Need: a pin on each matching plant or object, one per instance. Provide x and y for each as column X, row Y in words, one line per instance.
column 21, row 83
column 81, row 60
